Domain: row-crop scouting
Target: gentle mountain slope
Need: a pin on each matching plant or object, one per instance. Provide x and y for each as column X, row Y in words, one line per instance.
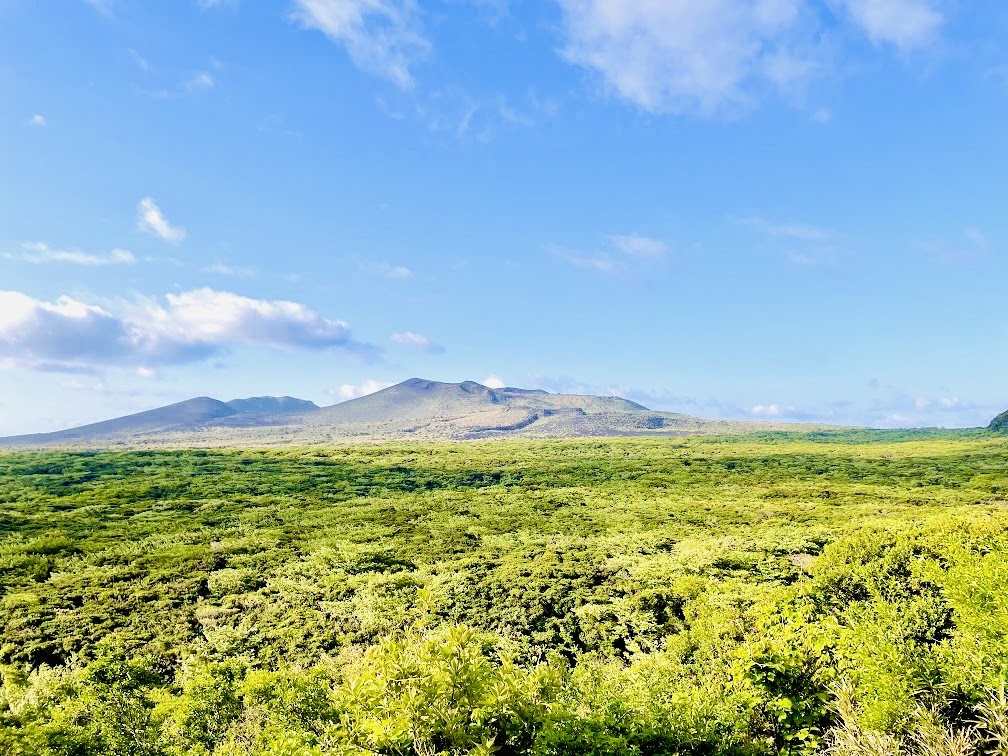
column 174, row 416
column 417, row 409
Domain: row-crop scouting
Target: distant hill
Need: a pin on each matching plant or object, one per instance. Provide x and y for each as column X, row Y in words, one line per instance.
column 174, row 418
column 416, row 409
column 1000, row 423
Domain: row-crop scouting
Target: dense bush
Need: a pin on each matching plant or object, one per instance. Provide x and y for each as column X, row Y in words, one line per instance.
column 675, row 596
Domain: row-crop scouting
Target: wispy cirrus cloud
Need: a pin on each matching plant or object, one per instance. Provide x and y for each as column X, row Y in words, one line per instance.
column 102, row 6
column 199, row 81
column 236, row 271
column 382, row 37
column 803, row 243
column 190, row 326
column 971, row 245
column 391, row 270
column 151, row 220
column 787, row 230
column 642, row 247
column 620, row 254
column 39, row 253
column 417, row 341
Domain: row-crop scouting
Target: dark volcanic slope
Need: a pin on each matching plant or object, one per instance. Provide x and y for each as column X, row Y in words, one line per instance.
column 999, row 423
column 272, row 404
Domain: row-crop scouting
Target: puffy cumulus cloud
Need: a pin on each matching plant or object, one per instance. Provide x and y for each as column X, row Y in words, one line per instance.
column 71, row 335
column 494, row 382
column 353, row 391
column 904, row 23
column 205, row 319
column 49, row 334
column 382, row 37
column 682, row 55
column 767, row 410
column 151, row 220
column 417, row 341
column 791, row 414
column 38, row 120
column 39, row 252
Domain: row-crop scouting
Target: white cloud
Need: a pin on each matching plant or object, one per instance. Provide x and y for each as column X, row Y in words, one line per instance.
column 905, row 24
column 595, row 262
column 139, row 59
column 389, row 270
column 231, row 270
column 973, row 245
column 39, row 252
column 419, row 341
column 383, row 37
column 146, row 372
column 683, row 55
column 200, row 81
column 688, row 56
column 976, row 237
column 623, row 253
column 766, row 410
column 102, row 6
column 351, row 391
column 494, row 382
column 37, row 120
column 640, row 246
column 151, row 220
column 946, row 403
column 69, row 334
column 789, row 230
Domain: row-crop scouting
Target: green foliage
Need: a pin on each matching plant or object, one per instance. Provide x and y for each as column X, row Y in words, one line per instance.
column 999, row 424
column 780, row 594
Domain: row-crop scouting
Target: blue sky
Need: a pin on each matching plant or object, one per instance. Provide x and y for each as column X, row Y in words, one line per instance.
column 765, row 209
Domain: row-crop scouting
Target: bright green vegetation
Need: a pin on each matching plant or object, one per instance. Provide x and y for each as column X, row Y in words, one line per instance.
column 643, row 596
column 1000, row 423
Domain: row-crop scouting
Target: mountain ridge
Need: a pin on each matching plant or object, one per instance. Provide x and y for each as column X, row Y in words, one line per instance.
column 416, row 408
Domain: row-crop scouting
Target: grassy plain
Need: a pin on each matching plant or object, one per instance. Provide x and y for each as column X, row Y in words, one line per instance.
column 745, row 595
